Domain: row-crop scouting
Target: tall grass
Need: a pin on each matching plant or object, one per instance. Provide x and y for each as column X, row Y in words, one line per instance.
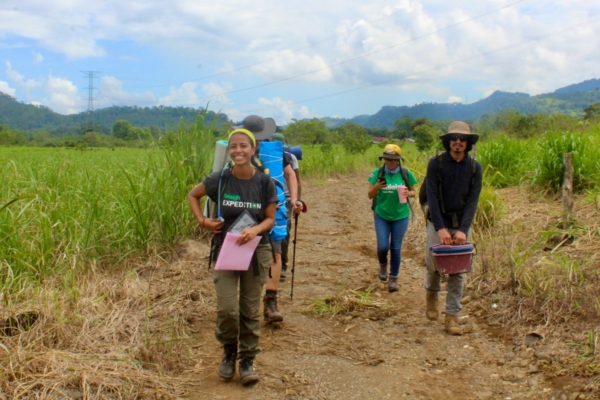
column 59, row 205
column 321, row 162
column 490, row 208
column 549, row 161
column 505, row 161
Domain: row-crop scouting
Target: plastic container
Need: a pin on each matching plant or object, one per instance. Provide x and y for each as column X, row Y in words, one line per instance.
column 451, row 260
column 401, row 196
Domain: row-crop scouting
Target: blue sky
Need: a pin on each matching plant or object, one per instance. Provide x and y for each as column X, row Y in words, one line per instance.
column 292, row 59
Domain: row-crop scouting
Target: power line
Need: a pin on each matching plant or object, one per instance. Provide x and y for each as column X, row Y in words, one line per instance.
column 364, row 55
column 438, row 67
column 371, row 22
column 90, row 110
column 358, row 57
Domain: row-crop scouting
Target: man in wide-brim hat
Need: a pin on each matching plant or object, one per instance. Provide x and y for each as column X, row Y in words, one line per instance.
column 453, row 185
column 461, row 132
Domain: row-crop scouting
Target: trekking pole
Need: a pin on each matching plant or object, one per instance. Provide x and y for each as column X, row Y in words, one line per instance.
column 294, row 243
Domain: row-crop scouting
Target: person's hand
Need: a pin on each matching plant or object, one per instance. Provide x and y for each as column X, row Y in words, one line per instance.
column 445, row 237
column 247, row 235
column 213, row 224
column 380, row 184
column 406, row 192
column 297, row 206
column 459, row 238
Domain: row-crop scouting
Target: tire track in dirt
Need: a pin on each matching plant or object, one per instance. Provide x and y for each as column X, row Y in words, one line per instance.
column 392, row 352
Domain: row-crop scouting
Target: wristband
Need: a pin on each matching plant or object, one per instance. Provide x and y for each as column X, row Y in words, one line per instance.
column 202, row 222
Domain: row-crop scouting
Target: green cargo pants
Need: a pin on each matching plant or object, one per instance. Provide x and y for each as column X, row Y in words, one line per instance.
column 238, row 318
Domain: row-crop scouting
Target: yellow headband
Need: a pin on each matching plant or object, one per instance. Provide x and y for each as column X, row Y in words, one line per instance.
column 245, row 132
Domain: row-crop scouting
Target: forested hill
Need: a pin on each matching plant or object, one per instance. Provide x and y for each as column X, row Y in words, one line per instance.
column 30, row 117
column 585, row 86
column 568, row 100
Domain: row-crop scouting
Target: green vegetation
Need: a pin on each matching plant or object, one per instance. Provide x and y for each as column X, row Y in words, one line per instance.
column 63, row 208
column 31, row 118
column 570, row 101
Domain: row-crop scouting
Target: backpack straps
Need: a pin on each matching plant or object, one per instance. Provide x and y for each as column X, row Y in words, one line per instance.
column 381, row 176
column 439, row 177
column 404, row 172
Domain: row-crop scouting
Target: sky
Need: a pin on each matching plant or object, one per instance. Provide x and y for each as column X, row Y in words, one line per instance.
column 291, row 59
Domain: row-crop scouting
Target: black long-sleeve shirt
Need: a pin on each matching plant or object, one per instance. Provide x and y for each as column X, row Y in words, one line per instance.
column 459, row 197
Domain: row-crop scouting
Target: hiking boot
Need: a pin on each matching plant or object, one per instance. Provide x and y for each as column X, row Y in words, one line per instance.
column 451, row 325
column 393, row 285
column 227, row 366
column 271, row 313
column 282, row 276
column 247, row 373
column 383, row 272
column 432, row 307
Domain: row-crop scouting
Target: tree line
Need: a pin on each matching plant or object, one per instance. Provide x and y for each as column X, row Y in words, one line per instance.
column 352, row 136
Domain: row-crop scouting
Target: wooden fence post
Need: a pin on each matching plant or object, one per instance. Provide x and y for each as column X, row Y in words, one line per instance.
column 567, row 190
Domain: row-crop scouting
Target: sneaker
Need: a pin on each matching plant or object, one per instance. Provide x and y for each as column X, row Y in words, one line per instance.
column 247, row 373
column 383, row 273
column 283, row 275
column 227, row 366
column 271, row 313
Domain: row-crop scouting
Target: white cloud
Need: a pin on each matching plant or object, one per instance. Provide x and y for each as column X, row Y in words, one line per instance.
column 226, row 67
column 6, row 89
column 19, row 80
column 287, row 65
column 217, row 93
column 234, row 114
column 455, row 99
column 183, row 95
column 110, row 93
column 284, row 111
column 37, row 57
column 64, row 97
column 400, row 46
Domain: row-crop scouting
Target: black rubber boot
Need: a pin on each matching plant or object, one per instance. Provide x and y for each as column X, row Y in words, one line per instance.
column 247, row 373
column 227, row 366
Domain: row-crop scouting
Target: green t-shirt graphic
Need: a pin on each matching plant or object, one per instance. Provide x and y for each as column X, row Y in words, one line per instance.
column 388, row 204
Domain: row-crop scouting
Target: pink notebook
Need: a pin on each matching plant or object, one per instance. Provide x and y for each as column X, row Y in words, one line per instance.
column 234, row 257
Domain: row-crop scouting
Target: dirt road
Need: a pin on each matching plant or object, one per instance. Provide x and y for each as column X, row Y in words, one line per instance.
column 387, row 350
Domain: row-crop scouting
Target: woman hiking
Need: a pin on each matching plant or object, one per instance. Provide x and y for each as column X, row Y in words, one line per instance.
column 386, row 185
column 236, row 190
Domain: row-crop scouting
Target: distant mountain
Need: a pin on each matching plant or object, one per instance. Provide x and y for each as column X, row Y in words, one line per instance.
column 570, row 100
column 585, row 86
column 30, row 117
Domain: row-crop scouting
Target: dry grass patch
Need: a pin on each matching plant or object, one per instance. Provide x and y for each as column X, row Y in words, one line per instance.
column 528, row 280
column 118, row 335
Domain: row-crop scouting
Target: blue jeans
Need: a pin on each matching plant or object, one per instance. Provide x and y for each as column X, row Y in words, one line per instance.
column 389, row 239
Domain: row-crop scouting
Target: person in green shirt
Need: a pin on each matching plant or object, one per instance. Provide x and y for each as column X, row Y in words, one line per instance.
column 391, row 215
